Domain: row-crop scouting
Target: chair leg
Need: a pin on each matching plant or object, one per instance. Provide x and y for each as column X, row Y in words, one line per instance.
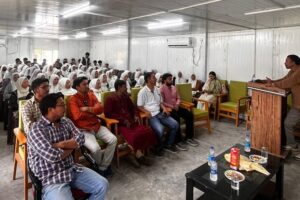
column 26, row 186
column 237, row 119
column 208, row 126
column 15, row 169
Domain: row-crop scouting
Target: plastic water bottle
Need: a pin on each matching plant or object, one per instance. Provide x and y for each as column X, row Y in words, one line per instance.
column 247, row 142
column 211, row 155
column 214, row 170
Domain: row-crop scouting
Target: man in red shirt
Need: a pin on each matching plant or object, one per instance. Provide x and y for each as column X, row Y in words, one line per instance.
column 171, row 99
column 83, row 110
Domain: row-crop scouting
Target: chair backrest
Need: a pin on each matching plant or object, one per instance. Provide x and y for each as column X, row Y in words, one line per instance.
column 237, row 89
column 185, row 91
column 134, row 94
column 104, row 95
column 66, row 99
column 21, row 105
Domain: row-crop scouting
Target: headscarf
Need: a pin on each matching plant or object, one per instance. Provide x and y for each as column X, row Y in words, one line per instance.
column 71, row 76
column 137, row 75
column 96, row 91
column 125, row 73
column 56, row 71
column 104, row 85
column 34, row 75
column 140, row 82
column 12, row 82
column 53, row 88
column 158, row 81
column 40, row 75
column 2, row 72
column 22, row 92
column 62, row 87
column 93, row 74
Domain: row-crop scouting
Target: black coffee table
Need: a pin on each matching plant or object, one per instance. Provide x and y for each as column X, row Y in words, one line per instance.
column 254, row 184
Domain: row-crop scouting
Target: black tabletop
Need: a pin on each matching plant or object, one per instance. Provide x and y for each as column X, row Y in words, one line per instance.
column 253, row 183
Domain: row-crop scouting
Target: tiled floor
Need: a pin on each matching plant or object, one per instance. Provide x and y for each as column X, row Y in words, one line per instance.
column 164, row 179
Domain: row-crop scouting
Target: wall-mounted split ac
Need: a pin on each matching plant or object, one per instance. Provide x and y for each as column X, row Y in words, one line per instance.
column 183, row 42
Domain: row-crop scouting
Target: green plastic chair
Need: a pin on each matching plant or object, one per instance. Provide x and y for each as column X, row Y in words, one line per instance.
column 236, row 102
column 185, row 92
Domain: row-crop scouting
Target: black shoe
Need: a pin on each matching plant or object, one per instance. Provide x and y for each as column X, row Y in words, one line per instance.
column 171, row 148
column 144, row 161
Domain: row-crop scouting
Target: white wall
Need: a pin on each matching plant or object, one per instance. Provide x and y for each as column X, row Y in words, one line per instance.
column 24, row 47
column 232, row 55
column 152, row 53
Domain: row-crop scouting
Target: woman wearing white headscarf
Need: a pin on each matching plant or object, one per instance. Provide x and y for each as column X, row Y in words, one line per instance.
column 22, row 86
column 65, row 87
column 3, row 69
column 11, row 86
column 49, row 71
column 104, row 84
column 94, row 74
column 53, row 83
column 64, row 69
column 124, row 77
column 137, row 75
column 72, row 76
column 57, row 72
column 158, row 79
column 140, row 82
column 95, row 86
column 34, row 75
column 40, row 75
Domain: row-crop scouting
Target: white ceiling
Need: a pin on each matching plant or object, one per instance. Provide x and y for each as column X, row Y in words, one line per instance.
column 43, row 17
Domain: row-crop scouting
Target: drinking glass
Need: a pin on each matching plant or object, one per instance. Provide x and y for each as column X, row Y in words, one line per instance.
column 235, row 182
column 264, row 154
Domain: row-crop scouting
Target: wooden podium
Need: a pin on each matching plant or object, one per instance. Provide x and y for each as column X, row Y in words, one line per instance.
column 268, row 114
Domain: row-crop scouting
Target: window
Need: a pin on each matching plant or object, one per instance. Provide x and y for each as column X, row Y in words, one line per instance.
column 49, row 55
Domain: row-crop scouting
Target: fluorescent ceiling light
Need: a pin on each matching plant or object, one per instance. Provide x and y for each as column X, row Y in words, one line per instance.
column 113, row 31
column 268, row 10
column 64, row 37
column 77, row 10
column 195, row 5
column 81, row 35
column 24, row 31
column 166, row 24
column 16, row 35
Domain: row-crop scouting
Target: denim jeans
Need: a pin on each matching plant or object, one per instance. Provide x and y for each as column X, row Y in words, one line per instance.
column 88, row 181
column 158, row 122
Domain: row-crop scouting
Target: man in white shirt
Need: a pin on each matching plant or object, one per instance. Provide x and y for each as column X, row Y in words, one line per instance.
column 150, row 101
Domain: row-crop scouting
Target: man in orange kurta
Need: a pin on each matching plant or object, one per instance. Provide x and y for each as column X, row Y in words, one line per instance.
column 83, row 110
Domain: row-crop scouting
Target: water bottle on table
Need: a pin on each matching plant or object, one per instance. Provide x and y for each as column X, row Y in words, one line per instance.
column 213, row 170
column 247, row 142
column 211, row 155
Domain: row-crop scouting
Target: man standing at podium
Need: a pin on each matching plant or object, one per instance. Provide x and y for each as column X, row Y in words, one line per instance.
column 291, row 82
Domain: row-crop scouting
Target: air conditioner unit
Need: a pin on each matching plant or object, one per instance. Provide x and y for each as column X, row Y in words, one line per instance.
column 184, row 42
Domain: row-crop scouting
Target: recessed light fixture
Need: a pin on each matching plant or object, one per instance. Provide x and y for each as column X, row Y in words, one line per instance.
column 195, row 5
column 268, row 10
column 21, row 32
column 65, row 37
column 81, row 35
column 166, row 24
column 112, row 31
column 79, row 9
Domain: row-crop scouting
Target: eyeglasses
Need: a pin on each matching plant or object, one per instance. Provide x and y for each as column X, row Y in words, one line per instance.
column 61, row 105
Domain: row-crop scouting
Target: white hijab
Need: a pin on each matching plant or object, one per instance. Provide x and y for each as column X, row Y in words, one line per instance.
column 125, row 73
column 34, row 75
column 62, row 87
column 96, row 91
column 104, row 87
column 22, row 92
column 14, row 83
column 93, row 74
column 53, row 88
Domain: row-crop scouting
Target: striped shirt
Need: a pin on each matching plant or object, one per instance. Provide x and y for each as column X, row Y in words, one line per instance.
column 44, row 160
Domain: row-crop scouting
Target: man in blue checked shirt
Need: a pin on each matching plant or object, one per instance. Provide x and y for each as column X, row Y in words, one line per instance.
column 50, row 144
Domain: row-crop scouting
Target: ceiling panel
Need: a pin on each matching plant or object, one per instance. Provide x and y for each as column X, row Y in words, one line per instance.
column 43, row 17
